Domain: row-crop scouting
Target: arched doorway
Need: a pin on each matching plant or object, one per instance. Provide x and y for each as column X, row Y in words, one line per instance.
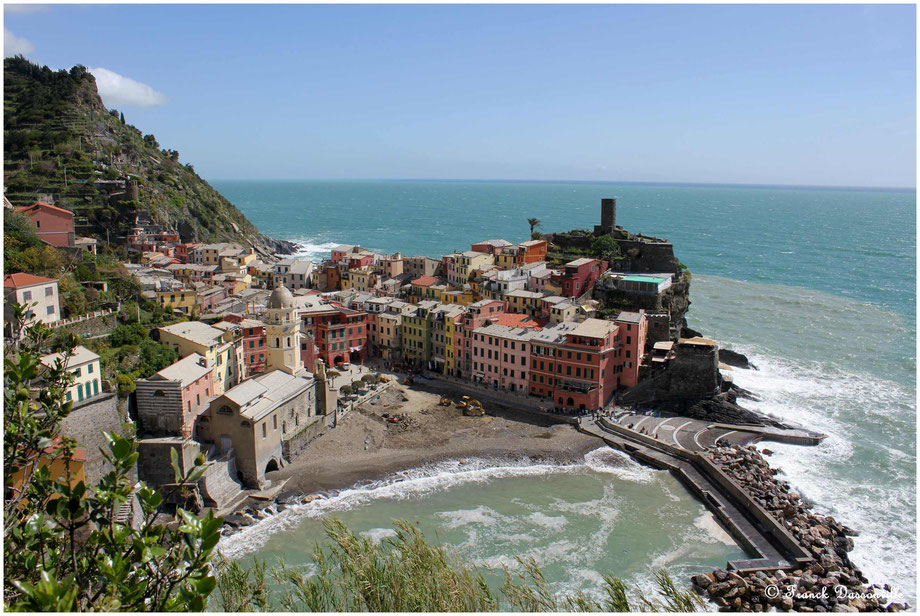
column 354, row 357
column 570, row 402
column 271, row 466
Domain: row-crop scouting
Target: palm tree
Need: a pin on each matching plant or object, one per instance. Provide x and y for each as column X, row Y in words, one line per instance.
column 534, row 223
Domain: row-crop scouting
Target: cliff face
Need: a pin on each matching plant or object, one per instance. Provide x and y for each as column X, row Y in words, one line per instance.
column 60, row 140
column 632, row 253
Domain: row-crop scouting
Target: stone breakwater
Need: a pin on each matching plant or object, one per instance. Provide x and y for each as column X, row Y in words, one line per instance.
column 830, row 583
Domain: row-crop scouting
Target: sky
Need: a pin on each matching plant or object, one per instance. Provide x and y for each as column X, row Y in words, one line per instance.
column 761, row 94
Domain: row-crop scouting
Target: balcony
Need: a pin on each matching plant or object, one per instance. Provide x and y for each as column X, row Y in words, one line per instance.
column 582, row 387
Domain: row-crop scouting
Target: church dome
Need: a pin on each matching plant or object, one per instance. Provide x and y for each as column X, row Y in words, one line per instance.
column 280, row 298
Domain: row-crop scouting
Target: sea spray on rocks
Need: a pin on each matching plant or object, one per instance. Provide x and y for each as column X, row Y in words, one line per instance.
column 830, row 583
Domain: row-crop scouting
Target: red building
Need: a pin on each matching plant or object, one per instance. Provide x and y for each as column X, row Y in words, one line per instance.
column 532, row 251
column 183, row 251
column 53, row 225
column 253, row 342
column 144, row 240
column 339, row 334
column 576, row 365
column 579, row 276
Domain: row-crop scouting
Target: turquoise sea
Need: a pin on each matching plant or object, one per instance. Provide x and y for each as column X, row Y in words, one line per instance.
column 817, row 286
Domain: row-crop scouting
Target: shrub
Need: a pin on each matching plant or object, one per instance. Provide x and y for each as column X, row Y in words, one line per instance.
column 346, row 390
column 126, row 385
column 405, row 573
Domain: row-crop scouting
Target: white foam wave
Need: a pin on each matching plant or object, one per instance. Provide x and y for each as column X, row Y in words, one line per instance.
column 312, row 250
column 547, row 521
column 863, row 473
column 615, row 462
column 436, row 478
column 406, row 484
column 480, row 515
column 378, row 534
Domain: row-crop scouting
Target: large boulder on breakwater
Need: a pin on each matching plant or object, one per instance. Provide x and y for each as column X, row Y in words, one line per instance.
column 735, row 359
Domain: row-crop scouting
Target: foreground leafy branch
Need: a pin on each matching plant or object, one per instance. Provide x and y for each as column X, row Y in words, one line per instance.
column 72, row 547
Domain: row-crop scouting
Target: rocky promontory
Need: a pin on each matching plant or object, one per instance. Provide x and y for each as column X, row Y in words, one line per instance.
column 830, row 583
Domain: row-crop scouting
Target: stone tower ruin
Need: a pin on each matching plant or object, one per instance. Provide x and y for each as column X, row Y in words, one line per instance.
column 608, row 217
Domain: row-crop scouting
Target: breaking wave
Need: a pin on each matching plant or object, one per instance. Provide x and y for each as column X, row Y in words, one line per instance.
column 425, row 480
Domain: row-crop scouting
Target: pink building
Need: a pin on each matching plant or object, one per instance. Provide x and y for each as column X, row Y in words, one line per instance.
column 52, row 224
column 171, row 401
column 633, row 332
column 501, row 356
column 477, row 315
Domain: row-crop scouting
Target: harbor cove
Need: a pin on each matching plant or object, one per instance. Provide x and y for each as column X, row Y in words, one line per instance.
column 832, row 345
column 460, row 308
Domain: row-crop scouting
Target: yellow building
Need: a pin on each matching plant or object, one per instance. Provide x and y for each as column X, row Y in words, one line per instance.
column 362, row 279
column 384, row 334
column 451, row 325
column 84, row 366
column 416, row 334
column 461, row 298
column 60, row 468
column 469, row 261
column 222, row 348
column 507, row 257
column 182, row 300
column 525, row 302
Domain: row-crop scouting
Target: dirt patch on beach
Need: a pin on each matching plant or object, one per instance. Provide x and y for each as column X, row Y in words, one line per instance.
column 366, row 446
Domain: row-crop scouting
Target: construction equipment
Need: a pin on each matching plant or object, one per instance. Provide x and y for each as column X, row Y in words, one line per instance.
column 474, row 409
column 464, row 402
column 444, row 401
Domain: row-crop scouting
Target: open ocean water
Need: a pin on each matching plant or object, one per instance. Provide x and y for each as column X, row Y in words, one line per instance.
column 817, row 286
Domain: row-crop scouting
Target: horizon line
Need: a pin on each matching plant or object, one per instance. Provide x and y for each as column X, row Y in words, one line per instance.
column 563, row 181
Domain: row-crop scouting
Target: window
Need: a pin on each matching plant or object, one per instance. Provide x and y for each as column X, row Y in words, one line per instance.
column 27, row 295
column 49, row 291
column 264, row 430
column 225, row 410
column 76, row 372
column 275, row 422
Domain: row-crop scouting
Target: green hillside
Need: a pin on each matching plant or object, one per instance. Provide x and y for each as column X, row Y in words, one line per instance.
column 60, row 140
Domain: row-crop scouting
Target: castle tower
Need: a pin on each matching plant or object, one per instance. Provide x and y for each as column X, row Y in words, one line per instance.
column 608, row 217
column 282, row 333
column 131, row 192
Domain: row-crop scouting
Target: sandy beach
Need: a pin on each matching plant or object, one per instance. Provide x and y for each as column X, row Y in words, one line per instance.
column 364, row 446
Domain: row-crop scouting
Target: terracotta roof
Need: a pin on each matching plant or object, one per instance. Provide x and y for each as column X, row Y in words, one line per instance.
column 24, row 280
column 513, row 319
column 425, row 281
column 23, row 208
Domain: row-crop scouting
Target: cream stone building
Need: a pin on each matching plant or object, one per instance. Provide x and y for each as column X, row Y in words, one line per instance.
column 84, row 365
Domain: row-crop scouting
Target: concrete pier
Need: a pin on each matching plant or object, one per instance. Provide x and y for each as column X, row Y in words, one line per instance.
column 769, row 543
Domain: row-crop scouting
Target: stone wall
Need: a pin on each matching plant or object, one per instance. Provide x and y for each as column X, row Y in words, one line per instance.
column 154, row 461
column 692, row 375
column 86, row 423
column 295, row 445
column 159, row 406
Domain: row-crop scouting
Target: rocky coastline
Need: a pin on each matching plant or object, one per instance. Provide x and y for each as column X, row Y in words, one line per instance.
column 830, row 583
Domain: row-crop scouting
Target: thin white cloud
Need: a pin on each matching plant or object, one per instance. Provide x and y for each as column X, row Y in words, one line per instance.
column 24, row 9
column 120, row 91
column 14, row 45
